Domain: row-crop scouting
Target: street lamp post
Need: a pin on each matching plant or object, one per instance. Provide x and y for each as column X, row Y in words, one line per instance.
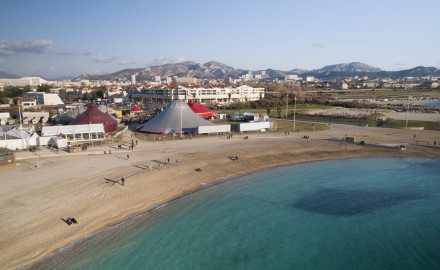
column 407, row 111
column 294, row 114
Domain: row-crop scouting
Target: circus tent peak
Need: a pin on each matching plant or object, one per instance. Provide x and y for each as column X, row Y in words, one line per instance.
column 94, row 116
column 177, row 117
column 136, row 109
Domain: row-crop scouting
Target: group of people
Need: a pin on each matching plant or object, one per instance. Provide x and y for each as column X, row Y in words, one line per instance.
column 70, row 220
column 167, row 161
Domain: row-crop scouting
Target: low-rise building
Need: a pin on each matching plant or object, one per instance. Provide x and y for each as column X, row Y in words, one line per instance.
column 205, row 94
column 26, row 101
column 43, row 98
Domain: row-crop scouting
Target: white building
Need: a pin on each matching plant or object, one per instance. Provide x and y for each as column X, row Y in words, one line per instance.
column 291, row 78
column 25, row 81
column 44, row 98
column 186, row 80
column 310, row 78
column 212, row 94
column 133, row 79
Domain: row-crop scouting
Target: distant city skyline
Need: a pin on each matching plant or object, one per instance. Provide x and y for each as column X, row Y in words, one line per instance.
column 60, row 38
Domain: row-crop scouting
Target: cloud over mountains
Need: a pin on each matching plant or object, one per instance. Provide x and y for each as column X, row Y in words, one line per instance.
column 29, row 46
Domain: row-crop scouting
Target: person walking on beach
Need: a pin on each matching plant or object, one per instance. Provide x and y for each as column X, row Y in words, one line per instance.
column 123, row 181
column 177, row 162
column 128, row 156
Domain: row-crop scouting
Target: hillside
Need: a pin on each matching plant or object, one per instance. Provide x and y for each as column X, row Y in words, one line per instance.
column 216, row 70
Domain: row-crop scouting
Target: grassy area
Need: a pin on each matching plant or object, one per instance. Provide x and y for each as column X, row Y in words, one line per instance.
column 388, row 93
column 353, row 121
column 411, row 123
column 282, row 126
column 273, row 111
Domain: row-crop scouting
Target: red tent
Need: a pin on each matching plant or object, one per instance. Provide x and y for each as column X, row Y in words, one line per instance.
column 136, row 109
column 201, row 110
column 94, row 116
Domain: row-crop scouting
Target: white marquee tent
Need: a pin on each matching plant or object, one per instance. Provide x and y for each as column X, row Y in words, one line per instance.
column 177, row 117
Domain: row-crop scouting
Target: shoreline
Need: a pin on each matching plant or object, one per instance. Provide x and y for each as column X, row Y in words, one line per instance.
column 189, row 192
column 264, row 160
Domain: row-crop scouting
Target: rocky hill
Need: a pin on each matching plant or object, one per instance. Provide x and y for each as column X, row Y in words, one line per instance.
column 216, row 70
column 210, row 70
column 349, row 67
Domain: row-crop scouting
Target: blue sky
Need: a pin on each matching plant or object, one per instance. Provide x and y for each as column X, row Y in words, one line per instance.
column 67, row 38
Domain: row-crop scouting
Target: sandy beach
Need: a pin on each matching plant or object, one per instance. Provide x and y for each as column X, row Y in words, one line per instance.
column 33, row 201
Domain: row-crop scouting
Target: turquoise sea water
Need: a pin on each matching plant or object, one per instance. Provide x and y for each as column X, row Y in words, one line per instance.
column 375, row 213
column 433, row 104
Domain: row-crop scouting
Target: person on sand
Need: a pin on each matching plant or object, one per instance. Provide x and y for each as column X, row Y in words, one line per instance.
column 128, row 156
column 177, row 162
column 123, row 181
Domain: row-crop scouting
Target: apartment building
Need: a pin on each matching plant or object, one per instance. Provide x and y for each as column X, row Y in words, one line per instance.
column 25, row 81
column 205, row 94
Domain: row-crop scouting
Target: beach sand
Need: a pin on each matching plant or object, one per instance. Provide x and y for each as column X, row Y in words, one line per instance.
column 33, row 201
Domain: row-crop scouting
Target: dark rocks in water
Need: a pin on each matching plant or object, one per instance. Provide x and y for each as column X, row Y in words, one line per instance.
column 340, row 202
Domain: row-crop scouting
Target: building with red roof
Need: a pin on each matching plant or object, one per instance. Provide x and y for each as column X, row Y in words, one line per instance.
column 94, row 116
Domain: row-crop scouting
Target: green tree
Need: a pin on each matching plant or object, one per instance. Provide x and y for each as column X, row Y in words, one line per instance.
column 279, row 111
column 101, row 91
column 268, row 109
column 44, row 88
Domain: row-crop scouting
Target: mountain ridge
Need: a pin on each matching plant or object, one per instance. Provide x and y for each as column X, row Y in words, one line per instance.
column 217, row 70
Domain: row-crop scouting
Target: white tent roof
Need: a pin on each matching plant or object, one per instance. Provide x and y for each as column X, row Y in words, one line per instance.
column 177, row 115
column 72, row 129
column 14, row 133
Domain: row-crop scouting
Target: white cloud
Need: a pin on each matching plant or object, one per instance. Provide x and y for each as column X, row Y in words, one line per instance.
column 102, row 59
column 29, row 46
column 2, row 60
column 94, row 72
column 52, row 52
column 319, row 45
column 126, row 62
column 88, row 53
column 162, row 60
